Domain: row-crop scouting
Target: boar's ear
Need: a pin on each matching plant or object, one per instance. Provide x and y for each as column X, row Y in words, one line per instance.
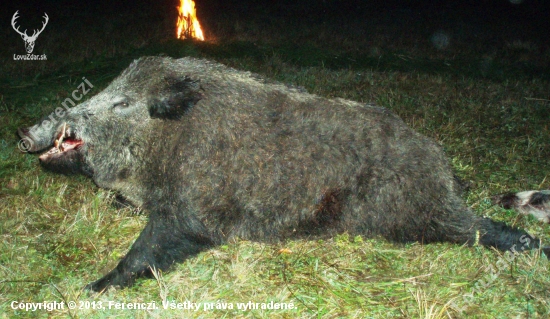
column 179, row 95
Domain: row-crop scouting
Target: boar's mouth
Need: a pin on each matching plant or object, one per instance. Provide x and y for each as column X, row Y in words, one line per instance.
column 65, row 157
column 65, row 142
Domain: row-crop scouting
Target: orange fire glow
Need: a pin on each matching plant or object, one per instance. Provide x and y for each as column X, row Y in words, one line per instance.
column 188, row 25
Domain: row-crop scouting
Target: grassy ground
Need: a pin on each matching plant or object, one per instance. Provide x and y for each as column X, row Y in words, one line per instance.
column 485, row 98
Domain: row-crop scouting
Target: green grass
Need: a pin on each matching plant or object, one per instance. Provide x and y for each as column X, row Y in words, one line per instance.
column 59, row 233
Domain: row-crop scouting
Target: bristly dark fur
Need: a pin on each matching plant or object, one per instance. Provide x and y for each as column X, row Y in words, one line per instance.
column 180, row 96
column 211, row 153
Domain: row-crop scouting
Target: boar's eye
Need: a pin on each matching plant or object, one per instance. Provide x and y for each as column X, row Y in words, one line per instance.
column 120, row 105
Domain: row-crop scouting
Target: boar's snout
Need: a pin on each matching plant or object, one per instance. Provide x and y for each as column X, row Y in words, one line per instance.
column 31, row 142
column 64, row 157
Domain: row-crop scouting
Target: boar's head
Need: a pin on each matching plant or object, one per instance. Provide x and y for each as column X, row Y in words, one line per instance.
column 109, row 136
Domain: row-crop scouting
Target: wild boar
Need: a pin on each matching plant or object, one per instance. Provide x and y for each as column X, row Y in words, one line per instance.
column 212, row 153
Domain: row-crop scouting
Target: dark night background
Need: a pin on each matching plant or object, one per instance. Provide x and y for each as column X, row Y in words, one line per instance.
column 87, row 29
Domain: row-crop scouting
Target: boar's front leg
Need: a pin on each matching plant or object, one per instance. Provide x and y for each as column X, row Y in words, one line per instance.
column 168, row 238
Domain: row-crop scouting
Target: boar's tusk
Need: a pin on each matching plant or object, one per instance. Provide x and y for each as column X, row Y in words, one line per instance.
column 59, row 141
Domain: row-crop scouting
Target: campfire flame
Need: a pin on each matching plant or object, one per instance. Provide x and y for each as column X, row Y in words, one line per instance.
column 188, row 25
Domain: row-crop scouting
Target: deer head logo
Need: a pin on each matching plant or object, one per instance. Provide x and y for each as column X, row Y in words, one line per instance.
column 29, row 40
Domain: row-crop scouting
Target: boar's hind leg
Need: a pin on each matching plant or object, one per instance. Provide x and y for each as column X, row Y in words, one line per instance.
column 464, row 227
column 503, row 237
column 167, row 239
